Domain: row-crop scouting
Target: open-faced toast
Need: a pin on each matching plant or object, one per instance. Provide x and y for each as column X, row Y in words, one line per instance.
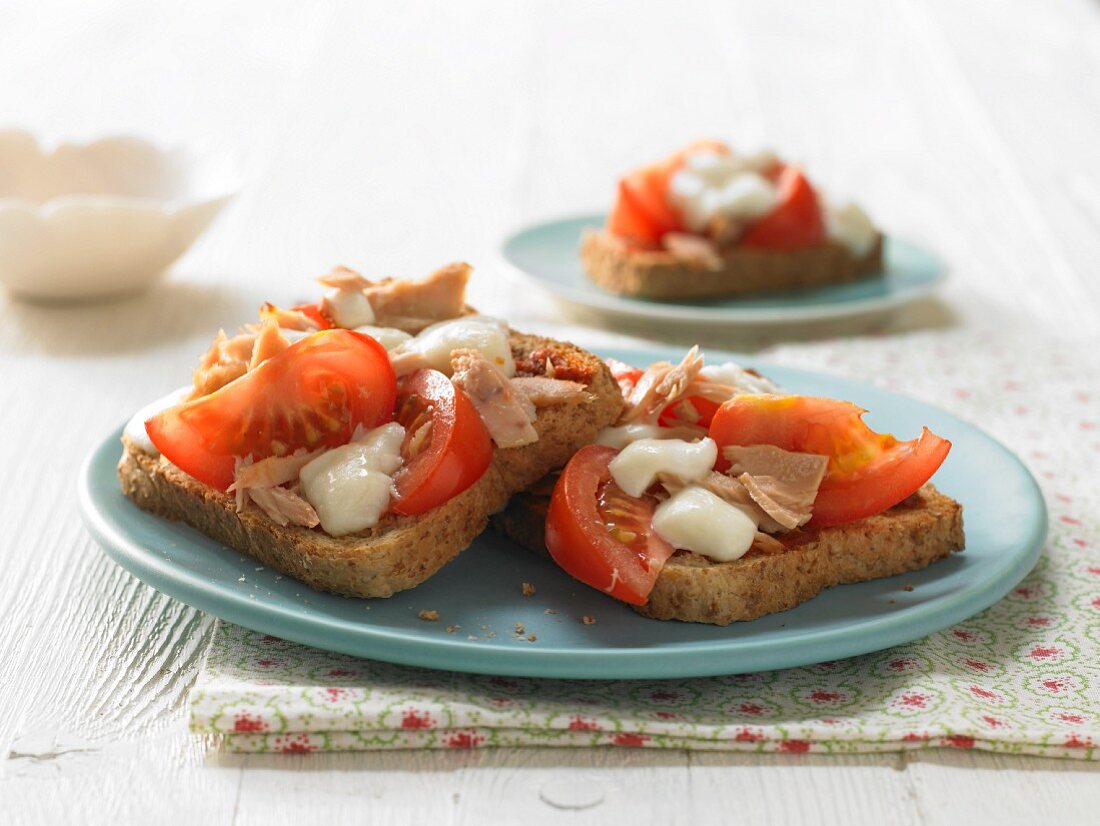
column 399, row 551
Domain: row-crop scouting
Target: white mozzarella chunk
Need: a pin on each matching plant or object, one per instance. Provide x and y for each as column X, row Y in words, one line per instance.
column 850, row 226
column 697, row 520
column 637, row 465
column 350, row 486
column 734, row 375
column 348, row 308
column 389, row 337
column 135, row 428
column 486, row 335
column 620, row 437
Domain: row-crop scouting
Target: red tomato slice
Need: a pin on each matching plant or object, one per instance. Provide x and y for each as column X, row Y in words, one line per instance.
column 868, row 472
column 625, row 375
column 314, row 313
column 456, row 450
column 630, row 222
column 601, row 536
column 703, row 415
column 795, row 223
column 313, row 394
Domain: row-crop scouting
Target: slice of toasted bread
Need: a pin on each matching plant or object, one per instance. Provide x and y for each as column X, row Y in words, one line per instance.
column 692, row 588
column 401, row 551
column 658, row 274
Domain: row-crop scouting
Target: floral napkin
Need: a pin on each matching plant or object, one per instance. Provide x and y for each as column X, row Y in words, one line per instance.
column 1021, row 677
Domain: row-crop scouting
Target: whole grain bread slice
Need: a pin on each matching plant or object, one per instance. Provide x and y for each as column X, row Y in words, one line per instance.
column 658, row 274
column 924, row 528
column 401, row 551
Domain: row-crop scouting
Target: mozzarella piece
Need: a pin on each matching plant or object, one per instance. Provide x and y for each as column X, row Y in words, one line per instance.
column 850, row 226
column 747, row 195
column 697, row 520
column 350, row 486
column 711, row 184
column 388, row 337
column 738, row 377
column 487, row 335
column 348, row 308
column 135, row 428
column 620, row 437
column 637, row 465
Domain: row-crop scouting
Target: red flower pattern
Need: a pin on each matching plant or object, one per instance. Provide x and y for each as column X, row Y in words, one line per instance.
column 411, row 718
column 463, row 740
column 959, row 741
column 578, row 723
column 748, row 735
column 630, row 739
column 793, row 746
column 246, row 723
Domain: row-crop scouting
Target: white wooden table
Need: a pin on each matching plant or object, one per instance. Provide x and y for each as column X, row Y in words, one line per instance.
column 394, row 137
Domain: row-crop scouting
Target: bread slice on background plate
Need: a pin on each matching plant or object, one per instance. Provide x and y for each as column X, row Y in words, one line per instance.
column 659, row 274
column 399, row 552
column 912, row 535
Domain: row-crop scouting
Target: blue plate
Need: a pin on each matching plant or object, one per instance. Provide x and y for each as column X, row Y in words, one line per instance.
column 547, row 255
column 480, row 591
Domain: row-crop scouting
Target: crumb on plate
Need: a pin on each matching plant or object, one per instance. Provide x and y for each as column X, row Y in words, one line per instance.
column 428, row 616
column 588, row 619
column 528, row 589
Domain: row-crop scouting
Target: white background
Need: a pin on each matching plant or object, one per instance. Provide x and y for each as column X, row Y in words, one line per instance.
column 395, row 137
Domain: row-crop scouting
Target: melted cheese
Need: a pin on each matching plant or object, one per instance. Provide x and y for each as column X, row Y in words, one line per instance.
column 849, row 226
column 620, row 437
column 389, row 337
column 697, row 520
column 711, row 184
column 350, row 486
column 135, row 428
column 637, row 465
column 487, row 335
column 348, row 308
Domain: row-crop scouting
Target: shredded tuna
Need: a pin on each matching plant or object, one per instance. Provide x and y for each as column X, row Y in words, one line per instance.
column 344, row 278
column 782, row 483
column 288, row 319
column 507, row 414
column 227, row 359
column 413, row 305
column 545, row 392
column 693, row 250
column 765, row 544
column 272, row 471
column 661, row 384
column 268, row 342
column 284, row 506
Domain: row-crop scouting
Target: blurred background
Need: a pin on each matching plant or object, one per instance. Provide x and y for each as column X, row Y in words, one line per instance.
column 394, row 137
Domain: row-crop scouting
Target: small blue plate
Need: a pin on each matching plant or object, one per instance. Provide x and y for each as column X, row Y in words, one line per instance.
column 479, row 592
column 548, row 255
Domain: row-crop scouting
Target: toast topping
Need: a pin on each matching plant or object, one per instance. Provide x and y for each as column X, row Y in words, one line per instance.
column 506, row 413
column 725, row 200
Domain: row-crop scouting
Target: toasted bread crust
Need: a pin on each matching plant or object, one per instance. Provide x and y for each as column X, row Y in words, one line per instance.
column 401, row 551
column 926, row 527
column 658, row 274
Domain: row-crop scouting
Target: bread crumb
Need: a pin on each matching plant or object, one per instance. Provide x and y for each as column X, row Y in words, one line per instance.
column 531, row 638
column 907, row 588
column 528, row 589
column 428, row 616
column 891, row 602
column 549, row 611
column 588, row 619
column 452, row 628
column 519, row 628
column 241, row 579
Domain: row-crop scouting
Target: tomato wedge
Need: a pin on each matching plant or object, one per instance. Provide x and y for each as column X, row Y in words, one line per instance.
column 314, row 313
column 313, row 394
column 453, row 454
column 868, row 472
column 795, row 223
column 601, row 536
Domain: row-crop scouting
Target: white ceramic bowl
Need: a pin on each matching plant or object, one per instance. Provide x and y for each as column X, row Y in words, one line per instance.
column 88, row 220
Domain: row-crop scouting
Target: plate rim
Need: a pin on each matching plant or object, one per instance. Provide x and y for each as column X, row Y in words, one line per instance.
column 698, row 658
column 673, row 311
